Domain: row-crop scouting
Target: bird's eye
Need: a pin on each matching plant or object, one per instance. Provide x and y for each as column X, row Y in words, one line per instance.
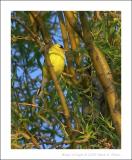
column 61, row 47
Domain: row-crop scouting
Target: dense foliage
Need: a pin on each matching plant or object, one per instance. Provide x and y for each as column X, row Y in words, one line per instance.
column 39, row 121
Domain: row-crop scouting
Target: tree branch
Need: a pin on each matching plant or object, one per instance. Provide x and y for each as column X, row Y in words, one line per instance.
column 101, row 66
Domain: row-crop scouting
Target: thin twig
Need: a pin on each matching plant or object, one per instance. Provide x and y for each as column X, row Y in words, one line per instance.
column 34, row 36
column 27, row 104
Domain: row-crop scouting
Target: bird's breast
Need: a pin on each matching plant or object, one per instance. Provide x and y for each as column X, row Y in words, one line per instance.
column 58, row 63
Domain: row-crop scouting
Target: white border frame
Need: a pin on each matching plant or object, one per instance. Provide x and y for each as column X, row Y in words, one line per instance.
column 125, row 151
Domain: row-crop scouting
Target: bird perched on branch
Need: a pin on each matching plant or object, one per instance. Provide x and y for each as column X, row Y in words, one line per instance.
column 57, row 58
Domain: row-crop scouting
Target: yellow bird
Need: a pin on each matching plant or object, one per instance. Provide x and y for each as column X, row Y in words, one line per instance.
column 57, row 58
